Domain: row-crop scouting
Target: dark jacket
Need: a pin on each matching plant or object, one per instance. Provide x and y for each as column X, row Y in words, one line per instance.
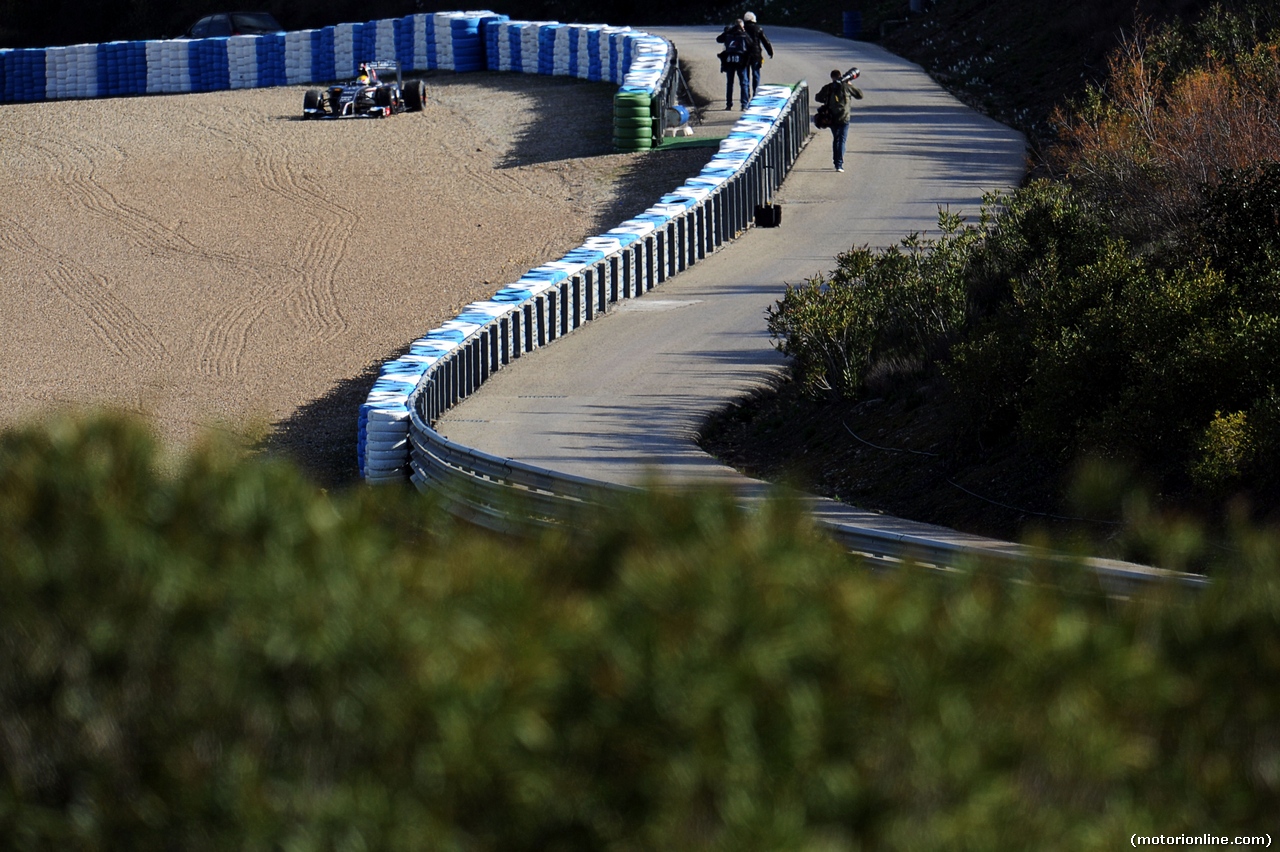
column 838, row 97
column 758, row 40
column 730, row 61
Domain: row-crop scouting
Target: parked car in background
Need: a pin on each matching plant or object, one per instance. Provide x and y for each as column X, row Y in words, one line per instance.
column 233, row 23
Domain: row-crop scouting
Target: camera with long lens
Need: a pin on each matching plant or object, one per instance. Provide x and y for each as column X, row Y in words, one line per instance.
column 851, row 74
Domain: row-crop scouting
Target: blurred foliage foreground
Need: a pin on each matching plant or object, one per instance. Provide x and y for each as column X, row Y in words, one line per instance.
column 213, row 654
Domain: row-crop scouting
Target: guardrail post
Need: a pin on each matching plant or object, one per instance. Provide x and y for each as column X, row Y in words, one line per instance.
column 739, row 204
column 566, row 302
column 553, row 312
column 423, row 400
column 468, row 384
column 602, row 286
column 494, row 361
column 721, row 205
column 731, row 208
column 694, row 233
column 673, row 241
column 451, row 376
column 661, row 240
column 540, row 338
column 717, row 216
column 677, row 245
column 473, row 366
column 688, row 255
column 673, row 247
column 704, row 224
column 781, row 167
column 478, row 358
column 627, row 263
column 646, row 277
column 444, row 395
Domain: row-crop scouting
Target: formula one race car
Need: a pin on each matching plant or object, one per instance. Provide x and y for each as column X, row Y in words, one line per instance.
column 366, row 96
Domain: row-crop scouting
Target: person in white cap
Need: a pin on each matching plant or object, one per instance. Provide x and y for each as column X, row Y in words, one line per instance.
column 759, row 45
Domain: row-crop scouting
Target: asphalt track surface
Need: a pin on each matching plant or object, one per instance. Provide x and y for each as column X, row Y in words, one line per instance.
column 621, row 399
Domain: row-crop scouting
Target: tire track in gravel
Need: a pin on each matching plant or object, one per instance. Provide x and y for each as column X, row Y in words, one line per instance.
column 89, row 293
column 305, row 284
column 76, row 160
column 322, row 250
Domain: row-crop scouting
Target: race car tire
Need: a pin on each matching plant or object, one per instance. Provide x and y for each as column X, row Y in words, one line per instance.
column 382, row 96
column 415, row 95
column 620, row 121
column 313, row 99
column 632, row 111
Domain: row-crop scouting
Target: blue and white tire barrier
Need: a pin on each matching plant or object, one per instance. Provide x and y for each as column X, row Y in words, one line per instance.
column 452, row 41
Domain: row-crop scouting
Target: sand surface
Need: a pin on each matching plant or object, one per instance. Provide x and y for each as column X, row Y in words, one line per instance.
column 213, row 261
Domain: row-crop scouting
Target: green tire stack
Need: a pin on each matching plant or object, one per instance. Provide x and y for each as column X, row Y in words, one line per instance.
column 632, row 122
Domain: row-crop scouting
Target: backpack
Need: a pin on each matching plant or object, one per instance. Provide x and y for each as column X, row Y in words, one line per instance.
column 735, row 50
column 837, row 103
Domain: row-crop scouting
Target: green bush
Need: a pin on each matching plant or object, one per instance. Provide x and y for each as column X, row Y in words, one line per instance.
column 1030, row 299
column 222, row 657
column 1081, row 346
column 894, row 310
column 1226, row 450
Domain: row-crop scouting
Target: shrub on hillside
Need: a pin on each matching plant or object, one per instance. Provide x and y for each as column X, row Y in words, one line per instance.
column 222, row 657
column 1148, row 143
column 891, row 311
column 1089, row 348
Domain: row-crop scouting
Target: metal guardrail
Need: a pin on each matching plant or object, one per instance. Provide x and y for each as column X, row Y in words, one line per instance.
column 513, row 497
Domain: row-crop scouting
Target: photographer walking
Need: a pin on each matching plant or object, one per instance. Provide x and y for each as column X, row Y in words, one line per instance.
column 838, row 96
column 734, row 62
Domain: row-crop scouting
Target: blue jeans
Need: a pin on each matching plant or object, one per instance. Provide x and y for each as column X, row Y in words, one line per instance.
column 755, row 77
column 839, row 133
column 744, row 85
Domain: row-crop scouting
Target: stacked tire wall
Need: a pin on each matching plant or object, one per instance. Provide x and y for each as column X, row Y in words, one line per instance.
column 638, row 63
column 452, row 41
